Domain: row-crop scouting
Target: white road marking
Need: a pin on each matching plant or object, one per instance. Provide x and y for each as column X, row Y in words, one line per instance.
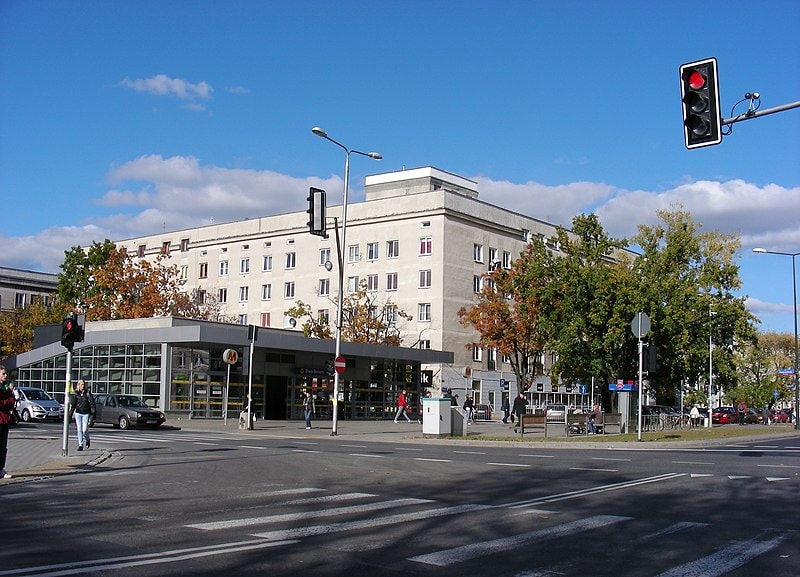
column 304, row 515
column 523, row 465
column 433, row 460
column 449, row 557
column 300, row 532
column 593, row 469
column 727, row 559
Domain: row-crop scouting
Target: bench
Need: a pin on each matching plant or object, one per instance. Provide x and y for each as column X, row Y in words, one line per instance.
column 613, row 420
column 576, row 424
column 531, row 423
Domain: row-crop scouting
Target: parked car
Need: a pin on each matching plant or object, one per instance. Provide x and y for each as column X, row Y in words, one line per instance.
column 126, row 411
column 724, row 415
column 753, row 417
column 36, row 405
column 483, row 413
column 780, row 417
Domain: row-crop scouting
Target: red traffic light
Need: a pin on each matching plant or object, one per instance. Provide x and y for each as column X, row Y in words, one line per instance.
column 702, row 123
column 696, row 80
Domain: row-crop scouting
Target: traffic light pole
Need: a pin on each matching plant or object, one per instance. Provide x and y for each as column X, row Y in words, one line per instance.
column 67, row 393
column 757, row 113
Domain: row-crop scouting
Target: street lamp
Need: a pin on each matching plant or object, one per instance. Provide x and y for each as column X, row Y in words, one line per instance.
column 794, row 296
column 339, row 249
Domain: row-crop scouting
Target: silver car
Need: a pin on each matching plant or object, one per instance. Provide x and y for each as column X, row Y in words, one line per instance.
column 37, row 405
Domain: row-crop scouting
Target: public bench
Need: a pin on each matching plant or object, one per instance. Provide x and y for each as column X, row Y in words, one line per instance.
column 612, row 420
column 531, row 423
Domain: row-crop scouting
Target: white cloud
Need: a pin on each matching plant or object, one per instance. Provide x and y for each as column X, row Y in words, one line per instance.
column 162, row 85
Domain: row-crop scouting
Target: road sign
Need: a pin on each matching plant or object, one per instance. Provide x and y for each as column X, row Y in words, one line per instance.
column 339, row 364
column 230, row 356
column 640, row 325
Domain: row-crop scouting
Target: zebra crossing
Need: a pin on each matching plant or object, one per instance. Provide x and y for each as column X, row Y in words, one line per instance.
column 369, row 519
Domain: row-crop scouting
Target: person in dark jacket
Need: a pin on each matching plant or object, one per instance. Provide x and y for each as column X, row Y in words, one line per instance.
column 519, row 408
column 6, row 415
column 82, row 406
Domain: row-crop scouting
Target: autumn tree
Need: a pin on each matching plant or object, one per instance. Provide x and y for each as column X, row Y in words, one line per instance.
column 508, row 312
column 365, row 319
column 16, row 326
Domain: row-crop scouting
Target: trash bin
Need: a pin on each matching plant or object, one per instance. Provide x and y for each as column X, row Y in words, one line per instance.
column 436, row 418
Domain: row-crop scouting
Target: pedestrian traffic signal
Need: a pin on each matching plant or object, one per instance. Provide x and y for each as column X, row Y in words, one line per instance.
column 700, row 101
column 316, row 212
column 70, row 332
column 329, row 369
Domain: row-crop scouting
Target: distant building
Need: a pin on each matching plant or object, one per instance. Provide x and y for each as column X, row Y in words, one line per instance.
column 421, row 240
column 20, row 288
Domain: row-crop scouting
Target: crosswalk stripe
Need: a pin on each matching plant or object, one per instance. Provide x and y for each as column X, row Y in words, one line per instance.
column 448, row 557
column 305, row 515
column 298, row 532
column 727, row 559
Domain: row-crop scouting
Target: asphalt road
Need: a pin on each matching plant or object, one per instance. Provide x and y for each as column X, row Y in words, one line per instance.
column 221, row 503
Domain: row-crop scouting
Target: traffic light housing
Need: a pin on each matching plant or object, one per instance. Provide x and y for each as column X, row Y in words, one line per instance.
column 651, row 364
column 329, row 369
column 702, row 123
column 316, row 212
column 71, row 332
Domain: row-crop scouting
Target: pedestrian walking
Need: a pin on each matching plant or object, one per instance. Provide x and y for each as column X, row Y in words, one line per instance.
column 308, row 409
column 6, row 415
column 741, row 411
column 402, row 407
column 519, row 409
column 82, row 407
column 694, row 416
column 15, row 418
column 506, row 409
column 469, row 409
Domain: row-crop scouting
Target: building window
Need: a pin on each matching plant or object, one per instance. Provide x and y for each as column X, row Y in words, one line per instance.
column 323, row 316
column 245, row 247
column 140, row 250
column 184, row 272
column 266, row 292
column 223, row 249
column 477, row 353
column 222, row 295
column 265, row 320
column 353, row 253
column 223, row 268
column 372, row 282
column 425, row 245
column 373, row 251
column 288, row 290
column 200, row 297
column 291, row 260
column 352, row 284
column 244, row 294
column 425, row 344
column 425, row 279
column 390, row 313
column 165, row 247
column 266, row 264
column 20, row 300
column 242, row 319
column 391, row 281
column 477, row 252
column 426, row 224
column 477, row 283
column 184, row 245
column 244, row 266
column 424, row 312
column 324, row 256
column 392, row 248
column 324, row 287
column 506, row 259
column 203, row 270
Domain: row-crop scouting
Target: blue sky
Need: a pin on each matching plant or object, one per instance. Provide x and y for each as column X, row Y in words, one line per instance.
column 119, row 119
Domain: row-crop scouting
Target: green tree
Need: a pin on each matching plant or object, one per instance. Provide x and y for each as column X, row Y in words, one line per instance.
column 76, row 283
column 687, row 282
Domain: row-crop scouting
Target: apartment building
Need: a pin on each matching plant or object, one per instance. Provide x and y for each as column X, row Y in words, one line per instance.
column 20, row 288
column 421, row 240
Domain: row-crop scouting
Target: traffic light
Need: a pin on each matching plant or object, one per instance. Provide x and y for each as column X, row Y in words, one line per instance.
column 702, row 123
column 651, row 362
column 329, row 367
column 70, row 332
column 316, row 212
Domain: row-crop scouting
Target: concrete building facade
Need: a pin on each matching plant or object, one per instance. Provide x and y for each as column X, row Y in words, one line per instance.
column 20, row 288
column 421, row 240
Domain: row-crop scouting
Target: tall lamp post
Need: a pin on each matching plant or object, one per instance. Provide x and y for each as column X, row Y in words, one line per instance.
column 794, row 296
column 340, row 250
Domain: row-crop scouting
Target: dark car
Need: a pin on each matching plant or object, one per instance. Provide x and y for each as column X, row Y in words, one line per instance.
column 126, row 411
column 724, row 415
